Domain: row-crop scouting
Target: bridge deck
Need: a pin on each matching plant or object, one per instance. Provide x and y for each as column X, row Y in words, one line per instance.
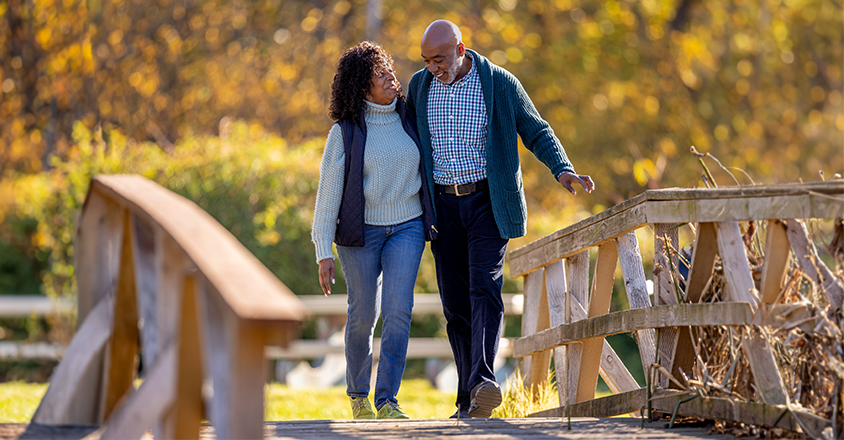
column 492, row 429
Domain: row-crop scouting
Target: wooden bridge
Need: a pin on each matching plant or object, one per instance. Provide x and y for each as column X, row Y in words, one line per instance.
column 562, row 316
column 159, row 276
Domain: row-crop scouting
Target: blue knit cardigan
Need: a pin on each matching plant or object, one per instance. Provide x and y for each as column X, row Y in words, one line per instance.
column 510, row 113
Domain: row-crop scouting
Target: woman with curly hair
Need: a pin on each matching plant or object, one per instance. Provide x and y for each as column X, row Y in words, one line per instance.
column 373, row 203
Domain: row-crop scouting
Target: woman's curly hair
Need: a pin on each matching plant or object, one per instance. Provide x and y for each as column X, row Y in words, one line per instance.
column 353, row 79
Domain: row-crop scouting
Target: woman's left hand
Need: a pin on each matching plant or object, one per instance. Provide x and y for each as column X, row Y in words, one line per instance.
column 326, row 275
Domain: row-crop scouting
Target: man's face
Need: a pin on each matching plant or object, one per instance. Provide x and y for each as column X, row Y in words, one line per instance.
column 444, row 60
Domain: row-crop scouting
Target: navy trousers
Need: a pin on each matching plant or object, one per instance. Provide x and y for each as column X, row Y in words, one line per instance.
column 469, row 256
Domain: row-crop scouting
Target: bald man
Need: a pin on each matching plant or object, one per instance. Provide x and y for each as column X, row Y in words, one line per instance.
column 470, row 113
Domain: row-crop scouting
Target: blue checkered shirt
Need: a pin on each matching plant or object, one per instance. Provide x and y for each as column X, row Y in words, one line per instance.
column 458, row 122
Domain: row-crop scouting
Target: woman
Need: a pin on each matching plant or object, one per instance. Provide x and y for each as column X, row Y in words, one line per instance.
column 372, row 202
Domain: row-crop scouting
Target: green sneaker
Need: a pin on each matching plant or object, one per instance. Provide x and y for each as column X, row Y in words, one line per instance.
column 391, row 411
column 361, row 409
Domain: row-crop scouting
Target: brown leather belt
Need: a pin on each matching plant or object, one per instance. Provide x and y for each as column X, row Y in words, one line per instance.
column 464, row 189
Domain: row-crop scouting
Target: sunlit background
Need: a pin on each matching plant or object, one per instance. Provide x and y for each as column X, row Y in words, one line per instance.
column 225, row 102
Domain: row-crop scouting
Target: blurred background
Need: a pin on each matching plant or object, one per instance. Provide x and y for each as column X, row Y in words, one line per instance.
column 226, row 102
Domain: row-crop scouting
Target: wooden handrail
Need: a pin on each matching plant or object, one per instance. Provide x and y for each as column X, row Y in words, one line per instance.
column 158, row 277
column 248, row 287
column 677, row 205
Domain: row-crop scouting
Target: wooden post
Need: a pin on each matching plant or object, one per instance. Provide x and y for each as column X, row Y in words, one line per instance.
column 146, row 285
column 665, row 293
column 814, row 267
column 235, row 361
column 122, row 349
column 599, row 304
column 703, row 262
column 536, row 306
column 184, row 419
column 637, row 292
column 555, row 286
column 577, row 268
column 755, row 345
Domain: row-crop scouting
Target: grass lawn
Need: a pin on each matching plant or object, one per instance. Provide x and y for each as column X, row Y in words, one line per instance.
column 18, row 400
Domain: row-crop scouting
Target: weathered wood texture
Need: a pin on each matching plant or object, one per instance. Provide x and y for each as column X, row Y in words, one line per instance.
column 535, row 319
column 637, row 292
column 599, row 304
column 471, row 429
column 812, row 266
column 577, row 268
column 242, row 280
column 807, row 200
column 146, row 258
column 666, row 262
column 723, row 313
column 621, row 403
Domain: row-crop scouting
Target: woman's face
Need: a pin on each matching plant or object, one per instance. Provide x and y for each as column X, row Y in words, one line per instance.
column 383, row 86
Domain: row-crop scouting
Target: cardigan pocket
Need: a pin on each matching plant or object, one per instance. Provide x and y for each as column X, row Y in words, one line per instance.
column 516, row 210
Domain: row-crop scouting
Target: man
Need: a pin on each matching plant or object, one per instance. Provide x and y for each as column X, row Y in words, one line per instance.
column 469, row 113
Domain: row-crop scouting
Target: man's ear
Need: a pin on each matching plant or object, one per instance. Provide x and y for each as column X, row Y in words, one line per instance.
column 461, row 49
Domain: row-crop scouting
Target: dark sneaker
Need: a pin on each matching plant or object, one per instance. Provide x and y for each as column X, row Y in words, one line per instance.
column 460, row 415
column 391, row 411
column 361, row 409
column 486, row 396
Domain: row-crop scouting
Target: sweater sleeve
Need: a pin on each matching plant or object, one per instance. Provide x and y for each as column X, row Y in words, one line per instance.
column 537, row 134
column 329, row 194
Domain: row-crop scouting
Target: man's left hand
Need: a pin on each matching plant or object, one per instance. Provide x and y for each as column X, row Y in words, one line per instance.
column 569, row 179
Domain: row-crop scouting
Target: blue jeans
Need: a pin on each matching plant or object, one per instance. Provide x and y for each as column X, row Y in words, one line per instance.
column 380, row 277
column 469, row 256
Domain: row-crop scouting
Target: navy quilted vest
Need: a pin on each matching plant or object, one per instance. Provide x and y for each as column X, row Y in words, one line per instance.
column 350, row 221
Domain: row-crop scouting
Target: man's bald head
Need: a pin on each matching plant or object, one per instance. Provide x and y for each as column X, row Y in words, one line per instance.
column 440, row 32
column 444, row 52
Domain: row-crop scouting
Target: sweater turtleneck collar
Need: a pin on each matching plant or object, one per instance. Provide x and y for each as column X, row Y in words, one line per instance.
column 381, row 114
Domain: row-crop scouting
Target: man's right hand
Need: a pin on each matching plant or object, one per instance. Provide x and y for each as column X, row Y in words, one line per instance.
column 326, row 275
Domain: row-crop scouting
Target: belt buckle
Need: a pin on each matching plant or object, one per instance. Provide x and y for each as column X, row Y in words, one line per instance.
column 457, row 191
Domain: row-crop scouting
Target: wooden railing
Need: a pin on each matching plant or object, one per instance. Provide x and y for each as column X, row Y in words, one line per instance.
column 561, row 316
column 159, row 277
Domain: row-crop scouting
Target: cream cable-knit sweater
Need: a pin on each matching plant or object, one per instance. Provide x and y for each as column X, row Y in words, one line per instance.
column 391, row 179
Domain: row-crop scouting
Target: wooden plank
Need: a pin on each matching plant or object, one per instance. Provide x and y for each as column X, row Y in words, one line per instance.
column 615, row 374
column 417, row 348
column 150, row 403
column 702, row 264
column 85, row 253
column 761, row 202
column 637, row 292
column 577, row 268
column 185, row 417
column 532, row 293
column 776, row 261
column 665, row 238
column 146, row 285
column 724, row 313
column 235, row 363
column 122, row 348
column 541, row 362
column 813, row 267
column 750, row 413
column 73, row 394
column 599, row 304
column 703, row 261
column 628, row 402
column 251, row 289
column 555, row 286
column 734, row 258
column 756, row 347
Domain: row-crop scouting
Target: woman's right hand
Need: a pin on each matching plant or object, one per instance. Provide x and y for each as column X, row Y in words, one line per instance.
column 326, row 275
